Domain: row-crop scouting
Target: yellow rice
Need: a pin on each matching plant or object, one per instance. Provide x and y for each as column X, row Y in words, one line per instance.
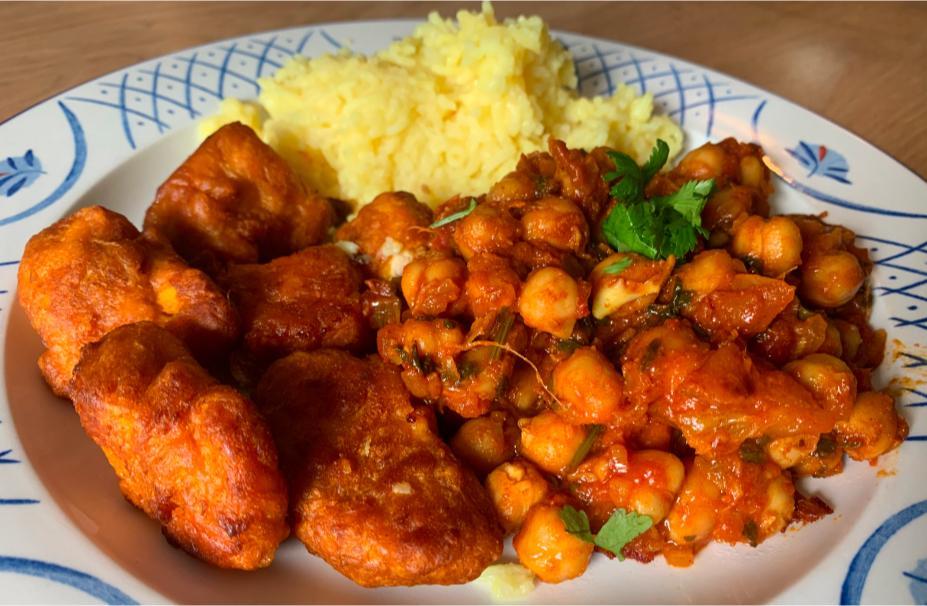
column 446, row 111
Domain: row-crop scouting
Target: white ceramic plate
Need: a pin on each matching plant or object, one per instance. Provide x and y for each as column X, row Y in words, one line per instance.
column 66, row 535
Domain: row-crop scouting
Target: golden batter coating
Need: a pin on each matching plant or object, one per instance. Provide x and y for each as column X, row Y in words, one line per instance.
column 193, row 454
column 93, row 271
column 307, row 300
column 374, row 491
column 236, row 201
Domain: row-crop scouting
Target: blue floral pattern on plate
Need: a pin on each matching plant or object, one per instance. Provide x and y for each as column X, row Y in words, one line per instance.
column 17, row 172
column 820, row 160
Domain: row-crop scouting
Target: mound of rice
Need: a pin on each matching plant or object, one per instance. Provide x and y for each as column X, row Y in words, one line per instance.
column 446, row 111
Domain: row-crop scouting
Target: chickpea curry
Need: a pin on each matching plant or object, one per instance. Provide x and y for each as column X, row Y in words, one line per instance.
column 636, row 362
column 592, row 356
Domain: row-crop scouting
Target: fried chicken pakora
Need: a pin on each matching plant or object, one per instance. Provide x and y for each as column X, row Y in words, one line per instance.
column 191, row 453
column 307, row 300
column 93, row 271
column 373, row 489
column 234, row 200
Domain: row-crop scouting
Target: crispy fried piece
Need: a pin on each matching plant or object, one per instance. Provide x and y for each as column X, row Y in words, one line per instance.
column 306, row 300
column 374, row 491
column 391, row 231
column 191, row 453
column 93, row 271
column 236, row 201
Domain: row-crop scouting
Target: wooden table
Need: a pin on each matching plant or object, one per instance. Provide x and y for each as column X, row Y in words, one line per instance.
column 864, row 66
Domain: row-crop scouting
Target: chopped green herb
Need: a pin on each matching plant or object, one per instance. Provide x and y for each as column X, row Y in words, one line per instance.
column 568, row 345
column 421, row 363
column 576, row 523
column 617, row 267
column 455, row 216
column 681, row 298
column 466, row 370
column 751, row 533
column 753, row 264
column 580, row 455
column 804, row 313
column 826, row 446
column 620, row 529
column 658, row 157
column 688, row 538
column 450, row 324
column 501, row 327
column 751, row 451
column 661, row 226
column 650, row 354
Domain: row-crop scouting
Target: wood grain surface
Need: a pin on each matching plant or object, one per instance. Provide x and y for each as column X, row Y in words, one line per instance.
column 863, row 65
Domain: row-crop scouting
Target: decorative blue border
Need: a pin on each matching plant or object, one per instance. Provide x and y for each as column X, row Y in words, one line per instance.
column 77, row 167
column 859, row 568
column 81, row 581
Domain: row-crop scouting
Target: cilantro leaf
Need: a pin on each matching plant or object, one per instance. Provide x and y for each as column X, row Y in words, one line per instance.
column 632, row 228
column 455, row 216
column 630, row 186
column 678, row 237
column 620, row 529
column 617, row 267
column 658, row 157
column 689, row 200
column 577, row 523
column 661, row 226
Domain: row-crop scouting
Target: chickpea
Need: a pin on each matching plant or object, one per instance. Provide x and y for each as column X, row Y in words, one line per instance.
column 423, row 348
column 658, row 478
column 515, row 487
column 633, row 288
column 551, row 301
column 480, row 378
column 850, row 338
column 659, row 468
column 549, row 441
column 546, row 548
column 434, row 285
column 487, row 229
column 791, row 450
column 556, row 222
column 774, row 244
column 693, row 516
column 491, row 285
column 710, row 270
column 654, row 434
column 486, row 442
column 752, row 172
column 706, row 162
column 826, row 460
column 533, row 178
column 524, row 390
column 589, row 388
column 831, row 279
column 829, row 380
column 832, row 344
column 873, row 428
column 780, row 504
column 726, row 207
